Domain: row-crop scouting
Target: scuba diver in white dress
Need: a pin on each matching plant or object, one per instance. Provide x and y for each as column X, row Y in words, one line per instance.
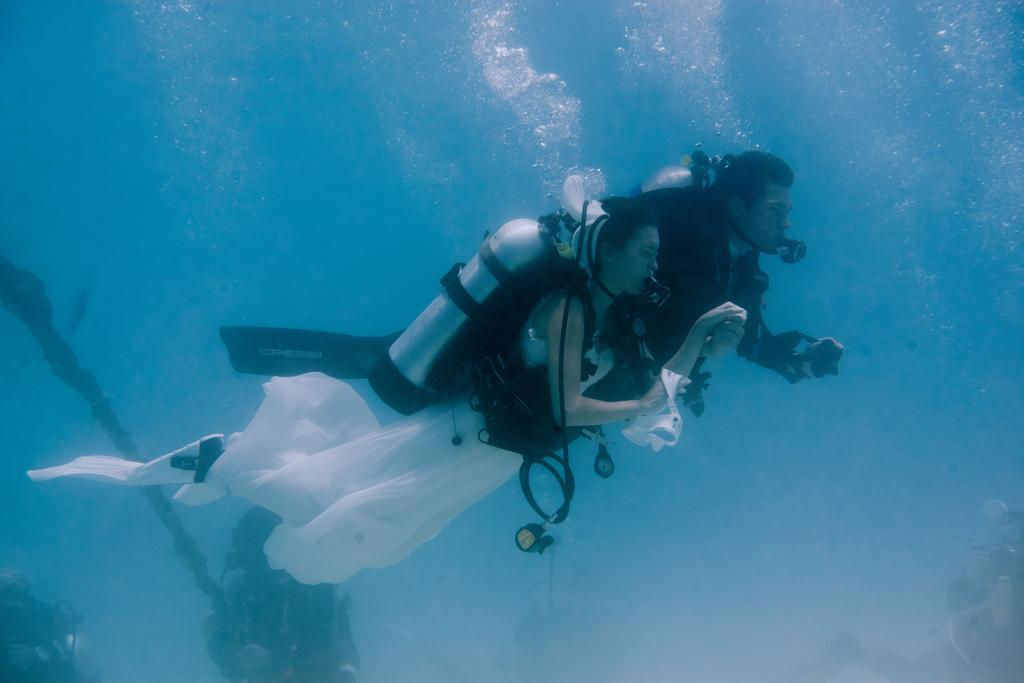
column 353, row 493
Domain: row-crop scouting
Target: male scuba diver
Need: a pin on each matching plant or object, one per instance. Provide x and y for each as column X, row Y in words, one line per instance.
column 272, row 628
column 713, row 233
column 37, row 641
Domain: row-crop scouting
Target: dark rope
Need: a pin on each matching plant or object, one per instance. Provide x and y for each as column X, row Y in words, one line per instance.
column 24, row 296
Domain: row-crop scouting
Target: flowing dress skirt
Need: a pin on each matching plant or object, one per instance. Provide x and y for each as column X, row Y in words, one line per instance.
column 351, row 493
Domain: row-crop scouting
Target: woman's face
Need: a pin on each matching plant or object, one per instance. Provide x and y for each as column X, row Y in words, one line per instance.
column 630, row 267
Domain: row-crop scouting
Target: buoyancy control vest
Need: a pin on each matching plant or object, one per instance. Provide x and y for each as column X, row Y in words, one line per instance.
column 482, row 305
column 515, row 400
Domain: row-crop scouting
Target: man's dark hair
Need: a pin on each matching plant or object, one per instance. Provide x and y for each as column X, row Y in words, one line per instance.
column 747, row 176
column 626, row 218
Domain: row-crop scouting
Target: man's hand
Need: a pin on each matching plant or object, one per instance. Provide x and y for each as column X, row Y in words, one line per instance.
column 724, row 329
column 821, row 357
column 724, row 338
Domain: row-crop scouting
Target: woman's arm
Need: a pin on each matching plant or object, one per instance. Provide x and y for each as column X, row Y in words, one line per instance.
column 728, row 316
column 580, row 410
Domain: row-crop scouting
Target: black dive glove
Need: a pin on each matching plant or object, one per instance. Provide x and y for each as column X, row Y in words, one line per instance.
column 823, row 355
column 819, row 358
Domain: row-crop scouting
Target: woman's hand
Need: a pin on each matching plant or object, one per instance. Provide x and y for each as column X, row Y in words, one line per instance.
column 722, row 327
column 654, row 400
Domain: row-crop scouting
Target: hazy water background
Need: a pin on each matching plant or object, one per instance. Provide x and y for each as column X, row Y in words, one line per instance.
column 321, row 164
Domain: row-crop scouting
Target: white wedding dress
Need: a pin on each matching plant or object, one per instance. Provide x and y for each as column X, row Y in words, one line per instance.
column 351, row 493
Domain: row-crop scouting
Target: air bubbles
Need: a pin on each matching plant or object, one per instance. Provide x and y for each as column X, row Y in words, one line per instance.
column 687, row 60
column 538, row 100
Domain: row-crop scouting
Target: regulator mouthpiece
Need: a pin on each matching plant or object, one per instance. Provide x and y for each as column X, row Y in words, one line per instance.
column 792, row 251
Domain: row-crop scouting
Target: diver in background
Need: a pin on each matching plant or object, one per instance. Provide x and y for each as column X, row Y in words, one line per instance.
column 712, row 236
column 272, row 628
column 986, row 624
column 37, row 641
column 986, row 603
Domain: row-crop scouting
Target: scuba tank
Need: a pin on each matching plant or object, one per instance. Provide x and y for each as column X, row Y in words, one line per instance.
column 481, row 303
column 666, row 177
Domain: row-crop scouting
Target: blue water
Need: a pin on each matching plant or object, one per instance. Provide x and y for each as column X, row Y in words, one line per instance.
column 321, row 164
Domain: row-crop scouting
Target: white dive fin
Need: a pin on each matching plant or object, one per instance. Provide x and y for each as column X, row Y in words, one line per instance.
column 176, row 467
column 573, row 196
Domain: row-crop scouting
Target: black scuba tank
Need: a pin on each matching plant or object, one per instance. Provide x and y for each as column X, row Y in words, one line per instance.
column 482, row 306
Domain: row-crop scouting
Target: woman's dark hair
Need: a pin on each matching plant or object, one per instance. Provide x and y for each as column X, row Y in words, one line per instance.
column 626, row 218
column 747, row 176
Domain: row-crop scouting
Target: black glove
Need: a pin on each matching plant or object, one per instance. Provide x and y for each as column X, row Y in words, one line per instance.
column 823, row 355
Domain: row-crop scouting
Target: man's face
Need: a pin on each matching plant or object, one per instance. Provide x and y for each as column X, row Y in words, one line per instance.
column 766, row 220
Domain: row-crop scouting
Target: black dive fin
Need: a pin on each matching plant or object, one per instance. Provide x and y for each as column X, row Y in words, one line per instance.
column 284, row 353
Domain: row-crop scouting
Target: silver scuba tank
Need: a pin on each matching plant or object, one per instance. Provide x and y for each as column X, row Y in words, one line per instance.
column 429, row 357
column 668, row 177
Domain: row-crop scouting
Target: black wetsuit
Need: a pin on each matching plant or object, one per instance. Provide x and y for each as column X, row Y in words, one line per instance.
column 269, row 627
column 303, row 631
column 41, row 634
column 516, row 401
column 695, row 264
